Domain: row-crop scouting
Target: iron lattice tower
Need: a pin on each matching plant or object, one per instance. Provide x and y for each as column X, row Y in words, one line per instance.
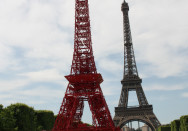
column 132, row 82
column 84, row 82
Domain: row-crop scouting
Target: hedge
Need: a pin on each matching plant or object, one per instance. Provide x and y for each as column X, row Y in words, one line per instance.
column 7, row 122
column 183, row 128
column 24, row 116
column 175, row 125
column 184, row 120
column 164, row 128
column 184, row 123
column 55, row 117
column 45, row 119
column 1, row 107
column 20, row 117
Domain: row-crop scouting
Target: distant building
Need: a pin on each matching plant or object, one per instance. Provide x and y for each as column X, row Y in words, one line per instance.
column 143, row 128
column 125, row 128
column 146, row 128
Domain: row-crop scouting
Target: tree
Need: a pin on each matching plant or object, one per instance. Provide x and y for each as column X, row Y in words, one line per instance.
column 25, row 119
column 7, row 121
column 1, row 107
column 45, row 119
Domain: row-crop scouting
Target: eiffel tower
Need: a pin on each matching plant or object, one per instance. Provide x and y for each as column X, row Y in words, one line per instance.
column 84, row 82
column 132, row 82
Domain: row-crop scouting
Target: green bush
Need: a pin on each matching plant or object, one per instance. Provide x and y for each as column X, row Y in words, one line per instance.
column 24, row 116
column 186, row 128
column 55, row 117
column 45, row 120
column 1, row 107
column 184, row 120
column 7, row 121
column 183, row 128
column 175, row 125
column 184, row 123
column 164, row 128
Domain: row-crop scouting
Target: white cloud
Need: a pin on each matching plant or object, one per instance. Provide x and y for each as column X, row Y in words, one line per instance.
column 34, row 28
column 160, row 36
column 44, row 30
column 43, row 92
column 109, row 65
column 106, row 28
column 12, row 85
column 164, row 87
column 159, row 98
column 156, row 41
column 107, row 90
column 39, row 95
column 5, row 57
column 49, row 75
column 185, row 94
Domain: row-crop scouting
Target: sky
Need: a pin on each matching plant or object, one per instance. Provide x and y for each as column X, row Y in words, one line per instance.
column 36, row 47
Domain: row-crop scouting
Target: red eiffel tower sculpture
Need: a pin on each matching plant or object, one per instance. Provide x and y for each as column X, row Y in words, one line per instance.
column 84, row 82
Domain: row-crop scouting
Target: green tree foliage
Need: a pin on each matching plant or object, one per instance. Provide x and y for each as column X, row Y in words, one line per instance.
column 24, row 116
column 7, row 121
column 164, row 128
column 1, row 107
column 45, row 120
column 55, row 117
column 184, row 123
column 175, row 125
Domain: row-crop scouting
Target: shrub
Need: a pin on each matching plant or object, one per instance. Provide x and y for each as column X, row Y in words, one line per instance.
column 184, row 123
column 175, row 125
column 55, row 117
column 1, row 107
column 164, row 128
column 7, row 121
column 184, row 120
column 24, row 116
column 45, row 119
column 183, row 128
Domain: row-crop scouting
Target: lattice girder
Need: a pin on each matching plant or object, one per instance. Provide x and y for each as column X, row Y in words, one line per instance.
column 84, row 82
column 132, row 82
